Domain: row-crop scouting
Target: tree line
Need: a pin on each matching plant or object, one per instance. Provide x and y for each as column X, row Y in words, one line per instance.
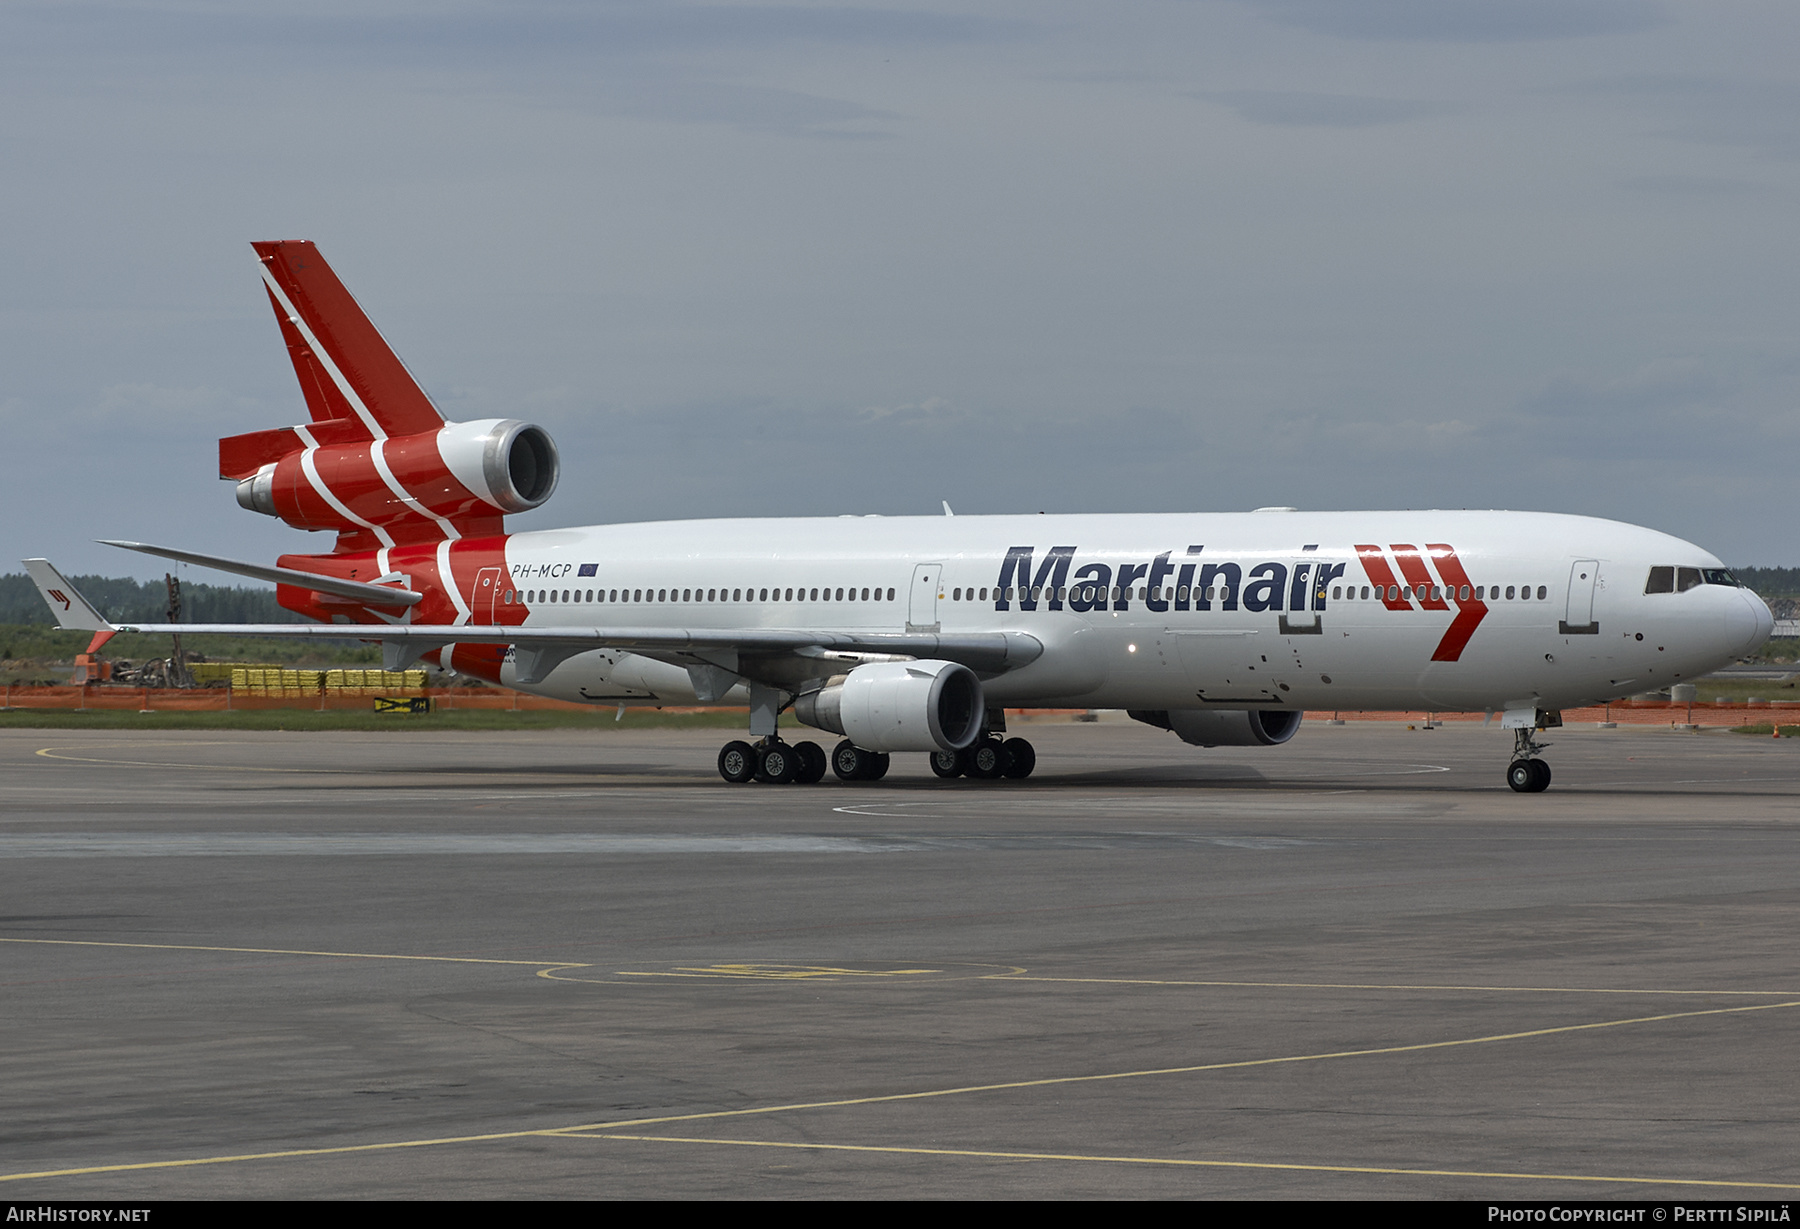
column 124, row 600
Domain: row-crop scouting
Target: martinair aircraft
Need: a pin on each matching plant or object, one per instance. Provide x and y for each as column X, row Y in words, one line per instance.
column 917, row 633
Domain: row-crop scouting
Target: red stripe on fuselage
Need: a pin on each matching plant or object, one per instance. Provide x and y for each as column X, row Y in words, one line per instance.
column 1469, row 613
column 1375, row 565
column 1413, row 568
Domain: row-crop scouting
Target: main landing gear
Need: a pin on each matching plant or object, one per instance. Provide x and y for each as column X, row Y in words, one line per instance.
column 987, row 759
column 773, row 762
column 1526, row 774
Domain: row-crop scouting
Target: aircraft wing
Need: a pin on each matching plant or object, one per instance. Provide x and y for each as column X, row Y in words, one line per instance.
column 541, row 649
column 375, row 595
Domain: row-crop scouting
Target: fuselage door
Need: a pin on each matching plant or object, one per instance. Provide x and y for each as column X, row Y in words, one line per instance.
column 921, row 602
column 486, row 606
column 1305, row 599
column 1582, row 576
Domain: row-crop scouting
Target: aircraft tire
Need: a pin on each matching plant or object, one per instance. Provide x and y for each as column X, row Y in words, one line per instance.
column 987, row 761
column 850, row 762
column 812, row 763
column 737, row 762
column 1528, row 776
column 878, row 765
column 1020, row 758
column 778, row 764
column 948, row 764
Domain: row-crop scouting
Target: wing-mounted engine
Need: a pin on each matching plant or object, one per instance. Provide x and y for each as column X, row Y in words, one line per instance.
column 1223, row 727
column 377, row 463
column 899, row 706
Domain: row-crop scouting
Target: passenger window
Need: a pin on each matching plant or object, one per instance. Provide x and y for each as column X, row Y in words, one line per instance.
column 1543, row 592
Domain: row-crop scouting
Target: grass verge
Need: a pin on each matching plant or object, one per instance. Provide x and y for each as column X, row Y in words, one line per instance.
column 1767, row 730
column 299, row 719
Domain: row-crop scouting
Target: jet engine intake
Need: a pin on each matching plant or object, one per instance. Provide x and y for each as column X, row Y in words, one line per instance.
column 1205, row 727
column 899, row 706
column 460, row 474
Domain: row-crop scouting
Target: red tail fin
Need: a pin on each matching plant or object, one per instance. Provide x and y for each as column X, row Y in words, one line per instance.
column 347, row 370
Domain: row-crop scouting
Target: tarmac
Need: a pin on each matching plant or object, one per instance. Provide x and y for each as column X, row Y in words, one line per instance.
column 580, row 965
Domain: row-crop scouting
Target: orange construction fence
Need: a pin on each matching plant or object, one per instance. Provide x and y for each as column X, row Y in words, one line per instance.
column 226, row 699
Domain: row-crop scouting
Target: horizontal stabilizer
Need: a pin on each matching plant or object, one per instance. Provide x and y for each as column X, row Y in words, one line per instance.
column 73, row 612
column 356, row 590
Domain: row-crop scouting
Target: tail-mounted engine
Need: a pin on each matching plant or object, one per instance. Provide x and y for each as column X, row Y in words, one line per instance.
column 377, row 463
column 466, row 473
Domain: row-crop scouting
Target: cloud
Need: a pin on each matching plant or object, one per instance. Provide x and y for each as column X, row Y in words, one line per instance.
column 1323, row 110
column 1760, row 115
column 914, row 413
column 1466, row 21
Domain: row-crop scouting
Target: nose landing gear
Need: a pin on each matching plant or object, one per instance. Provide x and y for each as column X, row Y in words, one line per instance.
column 1527, row 774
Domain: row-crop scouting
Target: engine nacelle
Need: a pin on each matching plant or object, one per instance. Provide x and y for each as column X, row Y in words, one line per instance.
column 900, row 706
column 463, row 472
column 1205, row 727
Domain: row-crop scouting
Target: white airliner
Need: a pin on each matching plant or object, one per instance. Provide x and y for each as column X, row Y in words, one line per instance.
column 917, row 633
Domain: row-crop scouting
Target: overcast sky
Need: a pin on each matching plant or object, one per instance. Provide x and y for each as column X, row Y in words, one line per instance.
column 806, row 259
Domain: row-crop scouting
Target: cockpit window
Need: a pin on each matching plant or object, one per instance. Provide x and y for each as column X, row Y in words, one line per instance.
column 1680, row 580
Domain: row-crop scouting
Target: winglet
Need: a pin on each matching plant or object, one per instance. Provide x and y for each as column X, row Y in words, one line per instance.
column 73, row 612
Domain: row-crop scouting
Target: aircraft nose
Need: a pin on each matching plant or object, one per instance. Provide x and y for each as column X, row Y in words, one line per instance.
column 1748, row 622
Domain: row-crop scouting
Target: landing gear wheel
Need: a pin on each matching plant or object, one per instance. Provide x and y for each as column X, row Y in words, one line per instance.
column 948, row 763
column 850, row 762
column 1528, row 776
column 1520, row 776
column 778, row 764
column 1020, row 757
column 737, row 762
column 812, row 763
column 878, row 765
column 986, row 760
